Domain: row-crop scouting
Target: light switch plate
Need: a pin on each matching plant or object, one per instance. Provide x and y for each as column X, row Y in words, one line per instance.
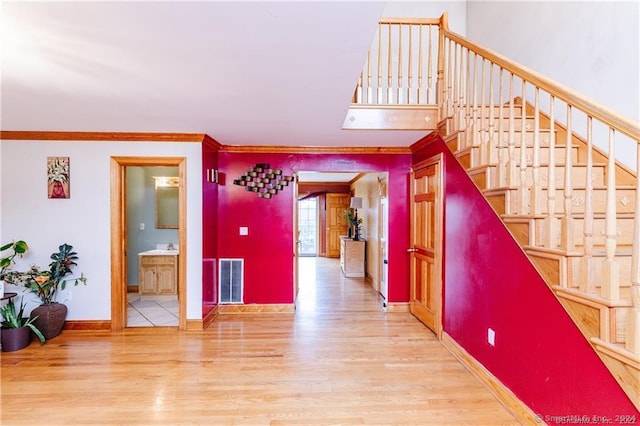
column 244, row 230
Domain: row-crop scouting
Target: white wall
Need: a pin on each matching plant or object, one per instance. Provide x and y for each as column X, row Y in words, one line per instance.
column 590, row 47
column 84, row 220
column 457, row 11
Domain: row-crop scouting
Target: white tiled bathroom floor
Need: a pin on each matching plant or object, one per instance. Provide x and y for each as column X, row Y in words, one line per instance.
column 149, row 312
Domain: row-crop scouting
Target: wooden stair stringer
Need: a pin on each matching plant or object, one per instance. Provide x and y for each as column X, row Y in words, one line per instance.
column 594, row 320
column 624, row 366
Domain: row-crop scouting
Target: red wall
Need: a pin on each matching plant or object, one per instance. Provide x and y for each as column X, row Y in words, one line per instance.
column 268, row 248
column 540, row 353
column 209, row 229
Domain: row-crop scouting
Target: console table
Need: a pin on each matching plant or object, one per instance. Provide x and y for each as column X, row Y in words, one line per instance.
column 352, row 257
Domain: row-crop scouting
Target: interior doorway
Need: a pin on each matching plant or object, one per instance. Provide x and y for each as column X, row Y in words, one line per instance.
column 331, row 193
column 120, row 235
column 151, row 199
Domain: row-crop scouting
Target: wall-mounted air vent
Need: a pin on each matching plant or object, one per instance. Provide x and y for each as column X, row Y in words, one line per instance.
column 231, row 280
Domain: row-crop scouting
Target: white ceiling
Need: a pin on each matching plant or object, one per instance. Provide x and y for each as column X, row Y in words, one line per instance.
column 245, row 73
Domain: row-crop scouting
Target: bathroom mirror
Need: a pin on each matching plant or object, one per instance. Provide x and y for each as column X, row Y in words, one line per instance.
column 167, row 193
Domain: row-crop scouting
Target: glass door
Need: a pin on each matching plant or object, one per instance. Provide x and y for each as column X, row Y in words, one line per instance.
column 308, row 226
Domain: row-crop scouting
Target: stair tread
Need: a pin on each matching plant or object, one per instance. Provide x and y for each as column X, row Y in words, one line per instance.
column 618, row 303
column 542, row 165
column 579, row 188
column 580, row 215
column 619, row 349
column 576, row 253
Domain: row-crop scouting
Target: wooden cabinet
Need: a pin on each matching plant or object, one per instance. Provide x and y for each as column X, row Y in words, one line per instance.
column 158, row 274
column 352, row 257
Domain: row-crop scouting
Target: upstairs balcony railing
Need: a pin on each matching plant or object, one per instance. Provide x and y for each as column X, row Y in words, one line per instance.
column 401, row 66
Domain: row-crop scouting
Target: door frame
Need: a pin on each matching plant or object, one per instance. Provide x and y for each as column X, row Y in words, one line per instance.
column 437, row 160
column 296, row 239
column 383, row 229
column 119, row 235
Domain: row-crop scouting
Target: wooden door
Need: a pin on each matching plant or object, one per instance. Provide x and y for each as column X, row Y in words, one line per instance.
column 426, row 247
column 336, row 222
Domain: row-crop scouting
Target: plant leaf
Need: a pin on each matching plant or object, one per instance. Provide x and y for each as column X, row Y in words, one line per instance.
column 36, row 332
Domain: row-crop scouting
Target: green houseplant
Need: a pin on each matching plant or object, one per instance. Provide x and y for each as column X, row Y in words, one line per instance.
column 16, row 329
column 355, row 222
column 50, row 315
column 14, row 248
column 18, row 248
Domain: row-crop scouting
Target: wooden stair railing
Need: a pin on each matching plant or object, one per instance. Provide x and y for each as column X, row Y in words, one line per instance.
column 544, row 157
column 566, row 199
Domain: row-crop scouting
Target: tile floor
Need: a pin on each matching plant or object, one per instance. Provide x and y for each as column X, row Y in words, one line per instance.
column 151, row 312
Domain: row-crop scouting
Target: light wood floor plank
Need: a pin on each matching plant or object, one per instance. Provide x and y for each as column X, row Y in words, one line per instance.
column 338, row 360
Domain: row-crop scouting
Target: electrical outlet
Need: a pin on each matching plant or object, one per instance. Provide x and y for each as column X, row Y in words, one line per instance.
column 491, row 337
column 244, row 230
column 142, row 226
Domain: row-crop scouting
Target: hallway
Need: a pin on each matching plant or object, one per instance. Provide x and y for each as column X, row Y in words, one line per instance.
column 338, row 360
column 325, row 290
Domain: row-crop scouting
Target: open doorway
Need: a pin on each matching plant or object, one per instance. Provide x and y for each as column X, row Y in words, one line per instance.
column 120, row 251
column 151, row 200
column 322, row 201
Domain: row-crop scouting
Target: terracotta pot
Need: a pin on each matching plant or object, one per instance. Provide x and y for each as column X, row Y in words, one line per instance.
column 14, row 339
column 50, row 319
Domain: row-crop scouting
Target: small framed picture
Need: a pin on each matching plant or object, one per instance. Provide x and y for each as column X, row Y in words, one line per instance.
column 58, row 177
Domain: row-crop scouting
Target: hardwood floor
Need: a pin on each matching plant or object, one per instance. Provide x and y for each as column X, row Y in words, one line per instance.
column 338, row 360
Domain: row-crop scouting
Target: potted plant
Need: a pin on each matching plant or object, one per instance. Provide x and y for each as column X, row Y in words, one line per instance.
column 16, row 330
column 50, row 315
column 356, row 222
column 16, row 248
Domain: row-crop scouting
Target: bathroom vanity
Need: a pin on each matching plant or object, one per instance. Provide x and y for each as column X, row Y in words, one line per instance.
column 158, row 272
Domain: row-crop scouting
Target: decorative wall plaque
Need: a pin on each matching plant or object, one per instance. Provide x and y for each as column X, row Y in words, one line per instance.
column 263, row 180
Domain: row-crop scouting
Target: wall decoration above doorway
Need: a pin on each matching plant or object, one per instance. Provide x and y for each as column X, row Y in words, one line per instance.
column 58, row 177
column 263, row 180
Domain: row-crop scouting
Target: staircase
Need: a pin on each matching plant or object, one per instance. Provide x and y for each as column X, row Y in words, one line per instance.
column 573, row 263
column 545, row 159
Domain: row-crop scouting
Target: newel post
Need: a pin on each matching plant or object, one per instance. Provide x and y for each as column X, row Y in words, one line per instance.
column 440, row 82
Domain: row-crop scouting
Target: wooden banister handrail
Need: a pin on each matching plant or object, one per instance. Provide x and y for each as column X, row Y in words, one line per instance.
column 588, row 106
column 416, row 21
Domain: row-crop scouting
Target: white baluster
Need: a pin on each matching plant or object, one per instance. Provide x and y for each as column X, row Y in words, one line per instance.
column 379, row 91
column 632, row 341
column 511, row 163
column 523, row 202
column 535, row 163
column 587, row 283
column 473, row 134
column 420, row 59
column 568, row 241
column 611, row 268
column 552, row 224
column 502, row 151
column 492, row 149
column 482, row 129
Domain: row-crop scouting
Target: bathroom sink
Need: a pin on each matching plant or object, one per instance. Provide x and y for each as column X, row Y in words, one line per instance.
column 158, row 252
